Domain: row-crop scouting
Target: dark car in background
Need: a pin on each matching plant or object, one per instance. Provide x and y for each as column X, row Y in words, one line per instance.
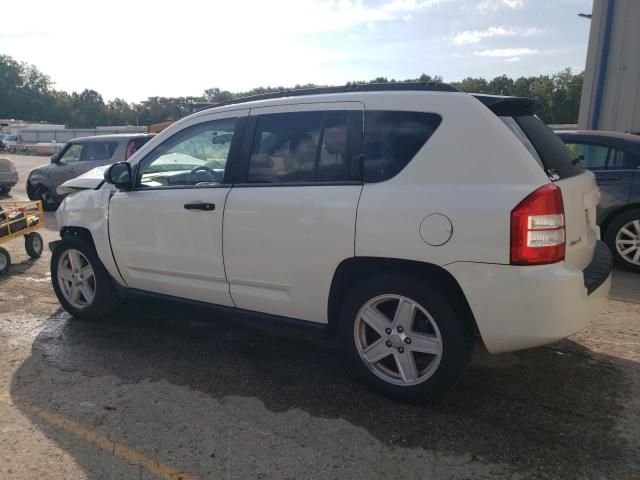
column 79, row 156
column 615, row 160
column 8, row 175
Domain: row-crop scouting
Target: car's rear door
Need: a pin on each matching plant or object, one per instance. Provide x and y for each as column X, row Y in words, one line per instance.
column 290, row 216
column 166, row 234
column 96, row 154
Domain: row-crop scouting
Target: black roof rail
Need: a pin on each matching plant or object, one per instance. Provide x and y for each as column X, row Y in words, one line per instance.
column 354, row 87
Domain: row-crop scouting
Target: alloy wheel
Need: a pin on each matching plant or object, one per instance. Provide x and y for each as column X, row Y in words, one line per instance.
column 76, row 279
column 398, row 340
column 628, row 242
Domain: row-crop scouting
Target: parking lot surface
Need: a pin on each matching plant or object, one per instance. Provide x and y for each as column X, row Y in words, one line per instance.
column 166, row 391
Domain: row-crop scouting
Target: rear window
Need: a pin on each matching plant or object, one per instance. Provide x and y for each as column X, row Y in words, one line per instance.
column 392, row 139
column 546, row 147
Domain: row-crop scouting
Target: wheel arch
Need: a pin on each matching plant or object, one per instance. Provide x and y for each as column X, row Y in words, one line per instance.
column 355, row 269
column 78, row 232
column 611, row 216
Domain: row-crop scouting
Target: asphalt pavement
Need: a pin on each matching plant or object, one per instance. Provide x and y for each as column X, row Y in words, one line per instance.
column 167, row 391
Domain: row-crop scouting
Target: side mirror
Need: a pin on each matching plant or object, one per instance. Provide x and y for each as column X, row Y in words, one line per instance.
column 119, row 175
column 55, row 158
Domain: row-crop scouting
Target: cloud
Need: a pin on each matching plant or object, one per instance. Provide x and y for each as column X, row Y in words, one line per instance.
column 474, row 36
column 496, row 4
column 506, row 52
column 513, row 59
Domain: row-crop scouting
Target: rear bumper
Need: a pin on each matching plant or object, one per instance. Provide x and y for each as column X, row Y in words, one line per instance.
column 8, row 178
column 521, row 307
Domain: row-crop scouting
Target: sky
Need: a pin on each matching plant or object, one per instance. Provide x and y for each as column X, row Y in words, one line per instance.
column 135, row 49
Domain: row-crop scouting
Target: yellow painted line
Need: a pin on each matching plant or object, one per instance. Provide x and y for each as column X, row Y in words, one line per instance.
column 132, row 456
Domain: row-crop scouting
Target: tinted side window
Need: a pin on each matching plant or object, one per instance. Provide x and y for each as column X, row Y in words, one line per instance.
column 96, row 151
column 72, row 154
column 301, row 147
column 392, row 139
column 621, row 160
column 593, row 157
column 602, row 157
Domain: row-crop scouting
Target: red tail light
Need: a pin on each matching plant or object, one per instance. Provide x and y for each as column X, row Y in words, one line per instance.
column 537, row 228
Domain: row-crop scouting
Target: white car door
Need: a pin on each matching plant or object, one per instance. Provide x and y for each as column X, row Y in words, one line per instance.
column 166, row 233
column 290, row 217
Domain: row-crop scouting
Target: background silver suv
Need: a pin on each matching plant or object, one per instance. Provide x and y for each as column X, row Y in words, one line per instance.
column 77, row 157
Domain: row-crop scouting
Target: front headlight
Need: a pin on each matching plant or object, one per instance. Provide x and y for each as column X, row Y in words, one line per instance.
column 63, row 191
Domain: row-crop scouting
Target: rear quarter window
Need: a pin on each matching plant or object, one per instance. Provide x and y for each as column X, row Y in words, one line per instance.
column 392, row 139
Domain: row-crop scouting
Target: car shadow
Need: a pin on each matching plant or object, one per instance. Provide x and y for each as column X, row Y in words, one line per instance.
column 18, row 268
column 550, row 411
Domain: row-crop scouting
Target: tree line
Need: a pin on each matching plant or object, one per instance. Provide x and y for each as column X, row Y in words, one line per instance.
column 28, row 94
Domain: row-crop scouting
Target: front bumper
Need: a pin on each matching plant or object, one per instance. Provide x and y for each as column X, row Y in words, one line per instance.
column 521, row 307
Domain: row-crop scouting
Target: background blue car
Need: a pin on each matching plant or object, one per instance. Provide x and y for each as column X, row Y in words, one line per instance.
column 615, row 160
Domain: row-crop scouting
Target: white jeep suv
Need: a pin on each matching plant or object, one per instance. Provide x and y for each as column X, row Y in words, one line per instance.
column 400, row 219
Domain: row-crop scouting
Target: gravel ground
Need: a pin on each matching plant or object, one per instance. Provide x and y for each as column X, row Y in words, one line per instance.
column 162, row 391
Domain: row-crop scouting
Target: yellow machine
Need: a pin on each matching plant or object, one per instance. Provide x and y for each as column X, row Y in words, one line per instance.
column 20, row 219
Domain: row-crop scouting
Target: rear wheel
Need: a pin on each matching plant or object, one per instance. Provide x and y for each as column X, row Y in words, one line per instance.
column 5, row 261
column 81, row 283
column 404, row 338
column 623, row 238
column 33, row 244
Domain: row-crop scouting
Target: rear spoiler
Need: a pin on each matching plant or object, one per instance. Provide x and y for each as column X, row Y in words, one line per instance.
column 511, row 106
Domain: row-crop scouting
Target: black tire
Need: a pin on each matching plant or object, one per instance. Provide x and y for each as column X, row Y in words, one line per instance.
column 106, row 298
column 5, row 190
column 611, row 235
column 43, row 194
column 455, row 332
column 5, row 261
column 32, row 192
column 33, row 244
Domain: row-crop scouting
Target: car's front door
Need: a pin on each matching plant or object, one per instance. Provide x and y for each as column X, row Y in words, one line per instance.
column 67, row 165
column 166, row 234
column 290, row 217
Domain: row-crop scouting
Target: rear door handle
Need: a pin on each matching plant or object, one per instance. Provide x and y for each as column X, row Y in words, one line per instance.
column 200, row 206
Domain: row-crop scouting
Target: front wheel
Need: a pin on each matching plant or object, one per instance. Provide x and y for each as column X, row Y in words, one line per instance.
column 81, row 283
column 49, row 203
column 403, row 338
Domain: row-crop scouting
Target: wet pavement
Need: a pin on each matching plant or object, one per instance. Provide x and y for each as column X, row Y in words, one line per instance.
column 167, row 391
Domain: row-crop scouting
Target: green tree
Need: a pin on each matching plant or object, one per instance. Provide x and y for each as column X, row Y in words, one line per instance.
column 28, row 94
